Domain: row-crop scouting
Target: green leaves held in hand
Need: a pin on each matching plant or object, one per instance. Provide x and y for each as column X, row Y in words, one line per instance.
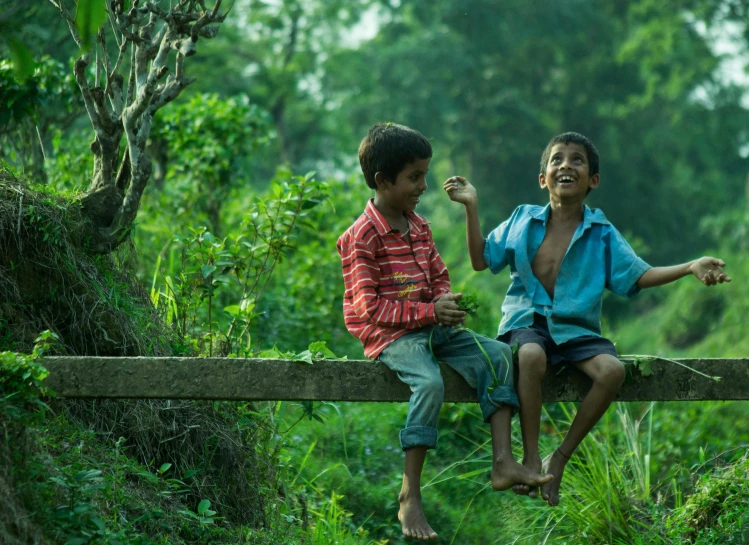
column 469, row 304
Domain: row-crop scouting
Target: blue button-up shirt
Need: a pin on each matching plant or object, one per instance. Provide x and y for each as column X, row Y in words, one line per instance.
column 598, row 257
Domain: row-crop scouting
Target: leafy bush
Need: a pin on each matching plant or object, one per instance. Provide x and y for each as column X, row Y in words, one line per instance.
column 717, row 511
column 210, row 299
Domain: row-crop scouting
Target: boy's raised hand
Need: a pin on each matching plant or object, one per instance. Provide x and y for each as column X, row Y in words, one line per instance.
column 447, row 310
column 460, row 190
column 709, row 270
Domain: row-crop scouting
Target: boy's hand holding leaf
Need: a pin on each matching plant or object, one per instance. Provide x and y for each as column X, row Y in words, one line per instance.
column 469, row 304
column 447, row 310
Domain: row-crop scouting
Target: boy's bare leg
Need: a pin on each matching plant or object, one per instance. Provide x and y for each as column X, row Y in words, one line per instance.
column 532, row 363
column 506, row 472
column 607, row 374
column 411, row 515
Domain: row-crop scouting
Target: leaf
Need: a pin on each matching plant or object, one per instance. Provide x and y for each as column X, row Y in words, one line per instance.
column 469, row 303
column 165, row 467
column 203, row 506
column 23, row 61
column 319, row 348
column 645, row 366
column 207, row 270
column 87, row 475
column 89, row 17
column 273, row 353
column 303, row 357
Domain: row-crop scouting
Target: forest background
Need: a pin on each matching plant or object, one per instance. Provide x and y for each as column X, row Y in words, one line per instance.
column 254, row 177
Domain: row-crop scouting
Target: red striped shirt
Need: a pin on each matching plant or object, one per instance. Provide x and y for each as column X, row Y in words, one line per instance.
column 390, row 287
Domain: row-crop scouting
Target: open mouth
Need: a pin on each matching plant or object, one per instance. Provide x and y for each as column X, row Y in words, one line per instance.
column 566, row 180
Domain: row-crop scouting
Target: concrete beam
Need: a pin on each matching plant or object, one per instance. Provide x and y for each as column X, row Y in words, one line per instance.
column 335, row 380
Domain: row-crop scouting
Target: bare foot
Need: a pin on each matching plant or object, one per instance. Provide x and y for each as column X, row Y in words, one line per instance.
column 413, row 522
column 507, row 472
column 535, row 465
column 554, row 464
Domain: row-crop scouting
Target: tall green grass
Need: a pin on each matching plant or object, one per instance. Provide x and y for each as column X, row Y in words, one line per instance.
column 606, row 492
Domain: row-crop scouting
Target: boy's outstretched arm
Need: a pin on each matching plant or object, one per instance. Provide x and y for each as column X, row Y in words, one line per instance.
column 708, row 270
column 460, row 190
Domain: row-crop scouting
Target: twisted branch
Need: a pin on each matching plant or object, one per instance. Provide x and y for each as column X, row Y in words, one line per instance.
column 116, row 110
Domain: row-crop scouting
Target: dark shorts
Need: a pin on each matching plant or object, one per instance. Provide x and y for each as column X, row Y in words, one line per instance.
column 580, row 348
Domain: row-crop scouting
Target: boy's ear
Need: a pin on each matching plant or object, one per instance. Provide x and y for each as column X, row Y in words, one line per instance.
column 542, row 181
column 381, row 180
column 594, row 181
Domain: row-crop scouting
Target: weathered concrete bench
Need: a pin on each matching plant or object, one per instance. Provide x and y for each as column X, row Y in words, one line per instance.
column 355, row 380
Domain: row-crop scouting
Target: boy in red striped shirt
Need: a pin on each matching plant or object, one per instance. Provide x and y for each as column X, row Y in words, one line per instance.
column 398, row 303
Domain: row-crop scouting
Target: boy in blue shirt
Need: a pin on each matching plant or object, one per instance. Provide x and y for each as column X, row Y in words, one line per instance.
column 561, row 258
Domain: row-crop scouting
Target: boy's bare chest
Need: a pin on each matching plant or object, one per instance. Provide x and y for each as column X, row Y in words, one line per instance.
column 548, row 259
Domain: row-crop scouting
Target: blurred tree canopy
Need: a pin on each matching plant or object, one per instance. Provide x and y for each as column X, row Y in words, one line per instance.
column 492, row 82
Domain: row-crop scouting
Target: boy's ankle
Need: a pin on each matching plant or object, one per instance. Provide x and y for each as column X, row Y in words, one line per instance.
column 563, row 455
column 409, row 495
column 532, row 458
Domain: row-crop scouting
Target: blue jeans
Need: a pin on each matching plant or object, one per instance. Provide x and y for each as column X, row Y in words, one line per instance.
column 411, row 357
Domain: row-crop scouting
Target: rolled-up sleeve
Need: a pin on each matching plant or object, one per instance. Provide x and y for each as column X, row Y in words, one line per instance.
column 623, row 267
column 494, row 247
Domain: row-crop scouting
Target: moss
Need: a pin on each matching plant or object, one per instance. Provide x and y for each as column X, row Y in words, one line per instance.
column 50, row 280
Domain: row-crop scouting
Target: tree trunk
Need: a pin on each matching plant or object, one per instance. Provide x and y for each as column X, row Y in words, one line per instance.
column 147, row 33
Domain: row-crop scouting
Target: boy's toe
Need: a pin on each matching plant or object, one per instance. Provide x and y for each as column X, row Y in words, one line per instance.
column 521, row 489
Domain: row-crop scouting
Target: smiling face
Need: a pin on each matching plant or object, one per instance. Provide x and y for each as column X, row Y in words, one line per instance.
column 567, row 175
column 402, row 196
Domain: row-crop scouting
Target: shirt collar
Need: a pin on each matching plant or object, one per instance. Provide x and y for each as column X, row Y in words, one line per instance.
column 589, row 215
column 415, row 221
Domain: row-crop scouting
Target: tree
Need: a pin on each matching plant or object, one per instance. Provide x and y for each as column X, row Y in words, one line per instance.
column 147, row 36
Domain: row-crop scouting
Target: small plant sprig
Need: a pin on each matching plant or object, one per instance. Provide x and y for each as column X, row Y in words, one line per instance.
column 469, row 304
column 643, row 362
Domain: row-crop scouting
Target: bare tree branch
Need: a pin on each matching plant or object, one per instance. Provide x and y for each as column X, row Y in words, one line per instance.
column 116, row 111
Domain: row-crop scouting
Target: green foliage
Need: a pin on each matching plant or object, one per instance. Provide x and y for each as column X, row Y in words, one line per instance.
column 206, row 152
column 316, row 351
column 231, row 274
column 692, row 320
column 23, row 61
column 22, row 375
column 716, row 512
column 469, row 303
column 32, row 110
